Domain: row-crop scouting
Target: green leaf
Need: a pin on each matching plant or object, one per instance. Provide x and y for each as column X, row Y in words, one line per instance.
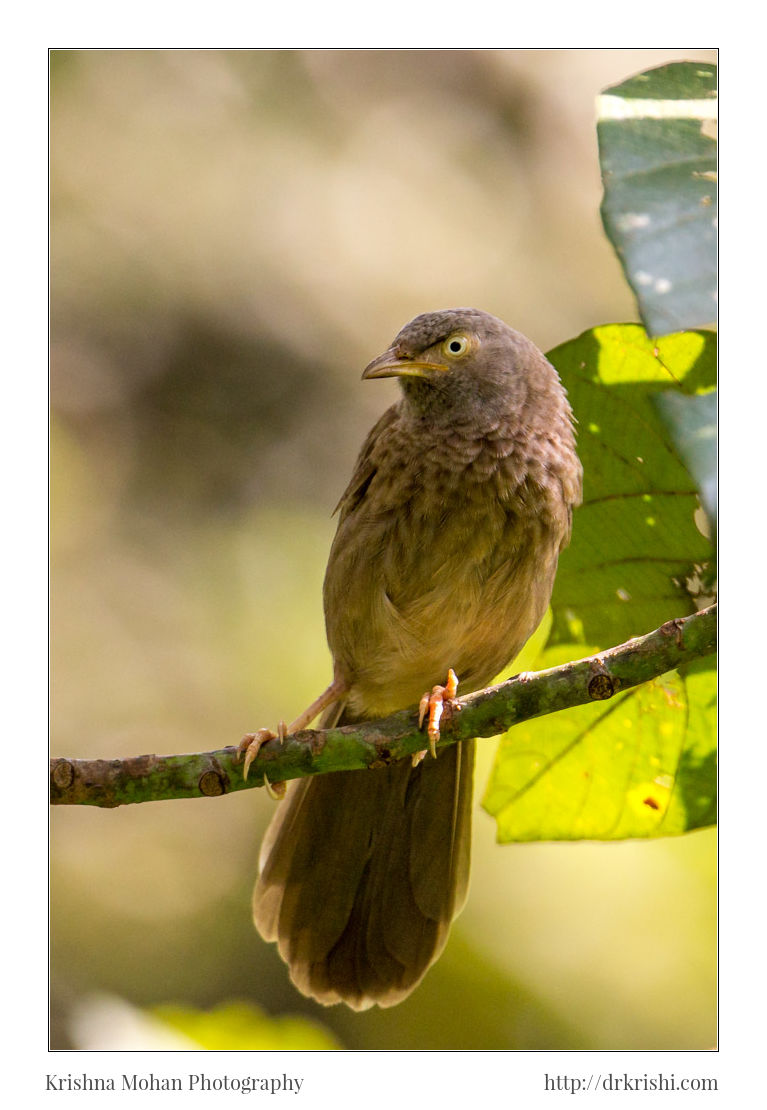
column 657, row 150
column 640, row 765
column 691, row 422
column 242, row 1026
column 636, row 547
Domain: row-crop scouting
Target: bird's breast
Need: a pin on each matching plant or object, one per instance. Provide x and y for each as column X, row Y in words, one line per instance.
column 448, row 561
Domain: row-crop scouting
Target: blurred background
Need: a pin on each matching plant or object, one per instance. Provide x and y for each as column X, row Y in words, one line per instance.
column 235, row 234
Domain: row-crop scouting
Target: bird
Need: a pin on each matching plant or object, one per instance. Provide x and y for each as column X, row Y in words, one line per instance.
column 442, row 565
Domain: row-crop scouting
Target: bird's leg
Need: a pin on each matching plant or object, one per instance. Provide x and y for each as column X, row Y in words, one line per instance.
column 252, row 742
column 337, row 688
column 435, row 704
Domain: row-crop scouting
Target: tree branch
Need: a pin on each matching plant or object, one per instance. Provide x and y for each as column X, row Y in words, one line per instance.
column 145, row 778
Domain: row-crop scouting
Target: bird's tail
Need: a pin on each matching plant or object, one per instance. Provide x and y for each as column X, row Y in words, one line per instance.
column 362, row 872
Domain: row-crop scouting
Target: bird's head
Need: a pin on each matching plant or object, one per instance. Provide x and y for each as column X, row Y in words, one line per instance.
column 461, row 360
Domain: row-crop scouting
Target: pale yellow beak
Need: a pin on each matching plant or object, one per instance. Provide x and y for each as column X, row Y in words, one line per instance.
column 391, row 365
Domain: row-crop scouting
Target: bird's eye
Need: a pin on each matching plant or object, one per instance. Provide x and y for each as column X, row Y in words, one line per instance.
column 456, row 345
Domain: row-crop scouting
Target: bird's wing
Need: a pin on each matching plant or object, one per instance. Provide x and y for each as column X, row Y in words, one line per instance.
column 365, row 469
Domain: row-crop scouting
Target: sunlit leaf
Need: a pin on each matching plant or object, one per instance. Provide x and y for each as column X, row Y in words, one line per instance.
column 635, row 543
column 639, row 765
column 657, row 148
column 642, row 763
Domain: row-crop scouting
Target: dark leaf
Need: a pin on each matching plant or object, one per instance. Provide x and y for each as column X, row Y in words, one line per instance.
column 657, row 148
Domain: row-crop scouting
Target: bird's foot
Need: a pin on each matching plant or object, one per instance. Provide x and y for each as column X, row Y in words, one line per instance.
column 252, row 743
column 435, row 704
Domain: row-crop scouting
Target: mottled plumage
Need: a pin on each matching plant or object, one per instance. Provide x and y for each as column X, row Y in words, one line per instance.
column 445, row 554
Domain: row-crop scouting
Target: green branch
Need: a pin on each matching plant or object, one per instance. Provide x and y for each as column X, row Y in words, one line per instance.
column 146, row 778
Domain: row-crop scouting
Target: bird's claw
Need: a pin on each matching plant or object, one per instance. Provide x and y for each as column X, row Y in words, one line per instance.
column 252, row 743
column 275, row 790
column 435, row 704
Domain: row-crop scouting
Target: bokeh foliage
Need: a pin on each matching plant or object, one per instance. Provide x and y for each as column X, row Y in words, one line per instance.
column 241, row 1026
